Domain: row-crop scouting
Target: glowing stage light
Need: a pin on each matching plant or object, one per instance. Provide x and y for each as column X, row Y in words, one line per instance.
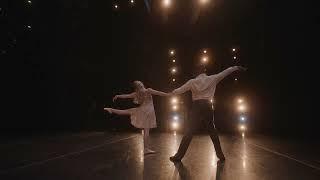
column 175, row 133
column 242, row 135
column 175, row 125
column 205, row 51
column 174, row 70
column 173, row 80
column 166, row 3
column 174, row 60
column 211, row 100
column 174, row 100
column 242, row 127
column 240, row 100
column 236, row 79
column 242, row 118
column 116, row 6
column 205, row 59
column 233, row 50
column 29, row 27
column 244, row 164
column 204, row 1
column 175, row 118
column 29, row 2
column 132, row 1
column 171, row 52
column 234, row 57
column 175, row 107
column 242, row 108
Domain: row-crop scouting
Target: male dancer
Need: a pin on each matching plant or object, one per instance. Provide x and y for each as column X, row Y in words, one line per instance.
column 202, row 88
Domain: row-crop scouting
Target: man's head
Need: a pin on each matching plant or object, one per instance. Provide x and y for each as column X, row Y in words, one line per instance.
column 199, row 69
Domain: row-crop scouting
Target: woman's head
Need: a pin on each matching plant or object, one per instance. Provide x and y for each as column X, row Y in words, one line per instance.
column 138, row 88
column 138, row 85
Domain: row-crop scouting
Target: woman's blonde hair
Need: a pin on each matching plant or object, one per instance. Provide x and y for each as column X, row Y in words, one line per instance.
column 140, row 95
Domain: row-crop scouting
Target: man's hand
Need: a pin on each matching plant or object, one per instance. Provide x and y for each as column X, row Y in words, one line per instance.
column 242, row 68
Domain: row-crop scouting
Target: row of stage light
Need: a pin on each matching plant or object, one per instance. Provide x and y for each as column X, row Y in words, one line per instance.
column 165, row 3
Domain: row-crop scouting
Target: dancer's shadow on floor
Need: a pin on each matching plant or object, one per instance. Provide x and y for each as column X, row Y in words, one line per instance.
column 184, row 173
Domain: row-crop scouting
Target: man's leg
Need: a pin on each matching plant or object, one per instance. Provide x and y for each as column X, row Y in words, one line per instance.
column 185, row 142
column 214, row 137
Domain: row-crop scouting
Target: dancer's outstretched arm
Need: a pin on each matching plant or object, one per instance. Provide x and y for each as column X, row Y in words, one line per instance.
column 183, row 88
column 158, row 93
column 228, row 71
column 124, row 96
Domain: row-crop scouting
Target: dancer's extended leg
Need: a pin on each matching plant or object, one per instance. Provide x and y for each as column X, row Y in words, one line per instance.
column 118, row 111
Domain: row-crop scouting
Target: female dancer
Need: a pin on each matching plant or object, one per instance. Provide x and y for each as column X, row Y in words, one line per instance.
column 142, row 117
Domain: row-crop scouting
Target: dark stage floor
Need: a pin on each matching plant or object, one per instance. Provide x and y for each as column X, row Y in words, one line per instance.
column 98, row 155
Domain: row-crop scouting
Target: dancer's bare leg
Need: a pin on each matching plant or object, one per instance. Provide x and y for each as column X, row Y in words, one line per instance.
column 118, row 111
column 147, row 149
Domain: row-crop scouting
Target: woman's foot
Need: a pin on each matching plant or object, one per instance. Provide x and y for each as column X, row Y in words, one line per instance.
column 148, row 151
column 108, row 109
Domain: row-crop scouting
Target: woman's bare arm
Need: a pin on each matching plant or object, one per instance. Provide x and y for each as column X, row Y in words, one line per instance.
column 124, row 96
column 158, row 93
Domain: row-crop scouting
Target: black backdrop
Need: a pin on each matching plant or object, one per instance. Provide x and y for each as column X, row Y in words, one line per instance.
column 78, row 54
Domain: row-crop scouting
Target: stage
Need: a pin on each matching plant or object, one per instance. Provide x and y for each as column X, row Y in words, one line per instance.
column 102, row 155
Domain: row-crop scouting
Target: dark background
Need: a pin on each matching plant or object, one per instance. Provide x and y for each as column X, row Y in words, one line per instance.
column 58, row 75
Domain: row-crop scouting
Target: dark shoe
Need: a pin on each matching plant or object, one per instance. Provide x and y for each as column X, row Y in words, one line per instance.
column 175, row 159
column 220, row 162
column 222, row 159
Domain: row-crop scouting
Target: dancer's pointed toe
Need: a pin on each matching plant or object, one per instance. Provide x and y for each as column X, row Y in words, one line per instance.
column 175, row 159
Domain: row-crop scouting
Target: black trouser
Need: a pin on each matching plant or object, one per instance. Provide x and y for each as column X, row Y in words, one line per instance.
column 201, row 111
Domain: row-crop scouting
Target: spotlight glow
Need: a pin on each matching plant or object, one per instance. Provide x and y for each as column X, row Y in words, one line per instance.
column 29, row 2
column 242, row 108
column 166, row 3
column 242, row 135
column 175, row 125
column 234, row 57
column 132, row 1
column 236, row 79
column 234, row 50
column 174, row 60
column 174, row 100
column 175, row 118
column 240, row 100
column 205, row 59
column 173, row 80
column 242, row 118
column 174, row 70
column 116, row 6
column 204, row 1
column 205, row 51
column 175, row 107
column 242, row 127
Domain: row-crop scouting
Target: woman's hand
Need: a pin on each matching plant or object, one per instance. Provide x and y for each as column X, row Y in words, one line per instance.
column 108, row 109
column 115, row 98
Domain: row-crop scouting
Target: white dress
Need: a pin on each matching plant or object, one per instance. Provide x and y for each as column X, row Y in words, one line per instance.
column 144, row 116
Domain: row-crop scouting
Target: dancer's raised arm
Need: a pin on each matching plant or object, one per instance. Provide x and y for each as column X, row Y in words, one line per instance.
column 158, row 93
column 124, row 96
